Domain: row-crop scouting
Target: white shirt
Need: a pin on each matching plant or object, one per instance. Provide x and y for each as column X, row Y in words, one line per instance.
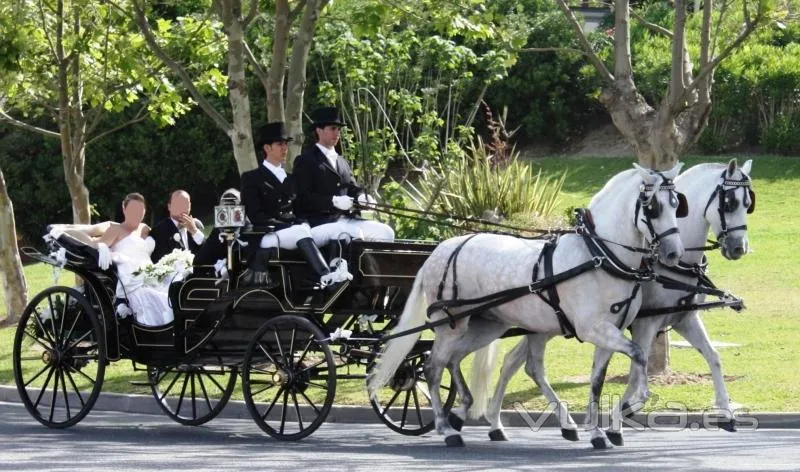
column 330, row 154
column 198, row 236
column 277, row 171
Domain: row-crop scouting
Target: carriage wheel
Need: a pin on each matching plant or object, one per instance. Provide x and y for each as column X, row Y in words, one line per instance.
column 192, row 394
column 59, row 357
column 404, row 404
column 289, row 377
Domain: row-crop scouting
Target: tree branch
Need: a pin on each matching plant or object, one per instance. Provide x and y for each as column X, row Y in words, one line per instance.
column 296, row 10
column 260, row 72
column 277, row 71
column 622, row 41
column 554, row 49
column 676, row 95
column 21, row 124
column 46, row 34
column 709, row 68
column 251, row 14
column 651, row 26
column 144, row 26
column 140, row 116
column 602, row 70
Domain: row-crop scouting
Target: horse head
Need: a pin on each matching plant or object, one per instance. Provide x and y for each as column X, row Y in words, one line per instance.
column 728, row 206
column 657, row 210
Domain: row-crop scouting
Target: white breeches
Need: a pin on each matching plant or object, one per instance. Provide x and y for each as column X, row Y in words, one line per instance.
column 357, row 229
column 286, row 238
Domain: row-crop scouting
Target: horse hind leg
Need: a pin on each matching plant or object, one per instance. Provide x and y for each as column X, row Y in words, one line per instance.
column 534, row 367
column 692, row 329
column 599, row 438
column 440, row 357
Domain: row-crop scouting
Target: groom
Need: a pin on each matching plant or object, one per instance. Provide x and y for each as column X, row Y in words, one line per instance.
column 178, row 231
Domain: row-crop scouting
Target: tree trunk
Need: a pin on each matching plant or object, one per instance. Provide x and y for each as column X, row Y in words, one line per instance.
column 242, row 133
column 297, row 76
column 277, row 67
column 14, row 284
column 658, row 362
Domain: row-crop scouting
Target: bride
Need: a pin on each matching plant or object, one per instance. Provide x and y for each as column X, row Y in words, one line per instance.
column 127, row 244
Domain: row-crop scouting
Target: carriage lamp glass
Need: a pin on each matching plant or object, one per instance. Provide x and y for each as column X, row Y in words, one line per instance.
column 229, row 216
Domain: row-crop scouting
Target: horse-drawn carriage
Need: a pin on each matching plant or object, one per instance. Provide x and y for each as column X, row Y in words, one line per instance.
column 288, row 341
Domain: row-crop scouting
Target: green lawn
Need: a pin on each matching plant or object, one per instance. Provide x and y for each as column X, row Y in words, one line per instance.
column 762, row 370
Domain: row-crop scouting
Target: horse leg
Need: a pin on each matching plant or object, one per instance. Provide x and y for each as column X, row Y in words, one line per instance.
column 534, row 367
column 608, row 337
column 512, row 362
column 458, row 414
column 692, row 329
column 597, row 380
column 441, row 353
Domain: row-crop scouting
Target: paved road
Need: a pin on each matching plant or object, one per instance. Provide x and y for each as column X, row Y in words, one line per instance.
column 133, row 442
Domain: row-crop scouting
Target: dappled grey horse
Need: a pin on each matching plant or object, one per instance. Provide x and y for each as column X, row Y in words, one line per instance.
column 634, row 213
column 720, row 197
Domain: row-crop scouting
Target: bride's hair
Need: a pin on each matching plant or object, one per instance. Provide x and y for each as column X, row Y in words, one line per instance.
column 133, row 196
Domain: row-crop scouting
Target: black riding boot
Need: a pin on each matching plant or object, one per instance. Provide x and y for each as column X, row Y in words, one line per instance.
column 313, row 256
column 258, row 270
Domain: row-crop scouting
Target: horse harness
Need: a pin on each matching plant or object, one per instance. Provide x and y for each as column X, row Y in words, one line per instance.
column 728, row 203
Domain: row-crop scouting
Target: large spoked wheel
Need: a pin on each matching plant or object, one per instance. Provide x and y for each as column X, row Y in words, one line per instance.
column 404, row 405
column 289, row 377
column 192, row 394
column 59, row 357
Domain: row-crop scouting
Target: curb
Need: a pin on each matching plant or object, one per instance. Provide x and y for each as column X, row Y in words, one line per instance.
column 236, row 409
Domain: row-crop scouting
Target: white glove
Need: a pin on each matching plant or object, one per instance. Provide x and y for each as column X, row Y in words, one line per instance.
column 366, row 199
column 343, row 202
column 104, row 256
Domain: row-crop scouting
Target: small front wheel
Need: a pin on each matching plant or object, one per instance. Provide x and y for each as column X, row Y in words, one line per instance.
column 289, row 377
column 59, row 357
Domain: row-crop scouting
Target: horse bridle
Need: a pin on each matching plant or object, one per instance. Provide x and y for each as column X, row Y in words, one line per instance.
column 727, row 203
column 651, row 209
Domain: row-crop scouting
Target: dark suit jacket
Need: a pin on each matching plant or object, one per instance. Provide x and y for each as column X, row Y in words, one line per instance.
column 266, row 200
column 317, row 183
column 164, row 235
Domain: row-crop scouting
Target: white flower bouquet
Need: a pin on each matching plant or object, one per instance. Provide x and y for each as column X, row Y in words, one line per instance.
column 170, row 268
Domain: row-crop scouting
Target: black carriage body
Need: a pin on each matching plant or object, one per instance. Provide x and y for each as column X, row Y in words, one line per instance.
column 214, row 318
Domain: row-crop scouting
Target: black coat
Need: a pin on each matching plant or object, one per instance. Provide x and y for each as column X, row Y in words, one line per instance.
column 164, row 235
column 317, row 182
column 267, row 201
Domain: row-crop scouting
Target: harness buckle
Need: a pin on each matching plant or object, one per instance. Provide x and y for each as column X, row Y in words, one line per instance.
column 531, row 288
column 598, row 261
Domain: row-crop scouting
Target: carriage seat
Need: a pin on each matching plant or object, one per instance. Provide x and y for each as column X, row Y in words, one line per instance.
column 77, row 242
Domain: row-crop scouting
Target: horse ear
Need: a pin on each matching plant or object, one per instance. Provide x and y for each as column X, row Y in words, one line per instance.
column 672, row 173
column 747, row 166
column 647, row 175
column 732, row 165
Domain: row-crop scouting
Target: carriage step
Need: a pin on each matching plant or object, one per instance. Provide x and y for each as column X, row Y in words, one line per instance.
column 140, row 383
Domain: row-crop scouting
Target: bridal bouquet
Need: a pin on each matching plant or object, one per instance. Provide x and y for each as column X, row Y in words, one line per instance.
column 172, row 267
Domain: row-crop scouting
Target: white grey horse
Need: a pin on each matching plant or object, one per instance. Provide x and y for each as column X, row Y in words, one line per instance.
column 719, row 199
column 634, row 208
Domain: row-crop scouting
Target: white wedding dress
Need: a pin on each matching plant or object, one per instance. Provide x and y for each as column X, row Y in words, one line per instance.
column 149, row 304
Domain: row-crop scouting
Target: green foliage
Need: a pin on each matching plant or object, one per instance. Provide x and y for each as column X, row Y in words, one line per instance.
column 407, row 76
column 478, row 186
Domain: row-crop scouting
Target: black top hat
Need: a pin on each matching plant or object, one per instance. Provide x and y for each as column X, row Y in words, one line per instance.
column 272, row 132
column 325, row 116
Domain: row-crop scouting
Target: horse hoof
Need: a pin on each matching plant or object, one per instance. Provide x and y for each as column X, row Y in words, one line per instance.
column 455, row 422
column 600, row 443
column 615, row 437
column 727, row 425
column 497, row 435
column 454, row 441
column 569, row 434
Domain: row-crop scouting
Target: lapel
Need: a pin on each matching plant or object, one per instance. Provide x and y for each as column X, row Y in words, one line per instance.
column 324, row 160
column 268, row 177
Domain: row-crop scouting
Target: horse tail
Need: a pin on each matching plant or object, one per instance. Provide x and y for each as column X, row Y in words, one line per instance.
column 480, row 379
column 395, row 350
